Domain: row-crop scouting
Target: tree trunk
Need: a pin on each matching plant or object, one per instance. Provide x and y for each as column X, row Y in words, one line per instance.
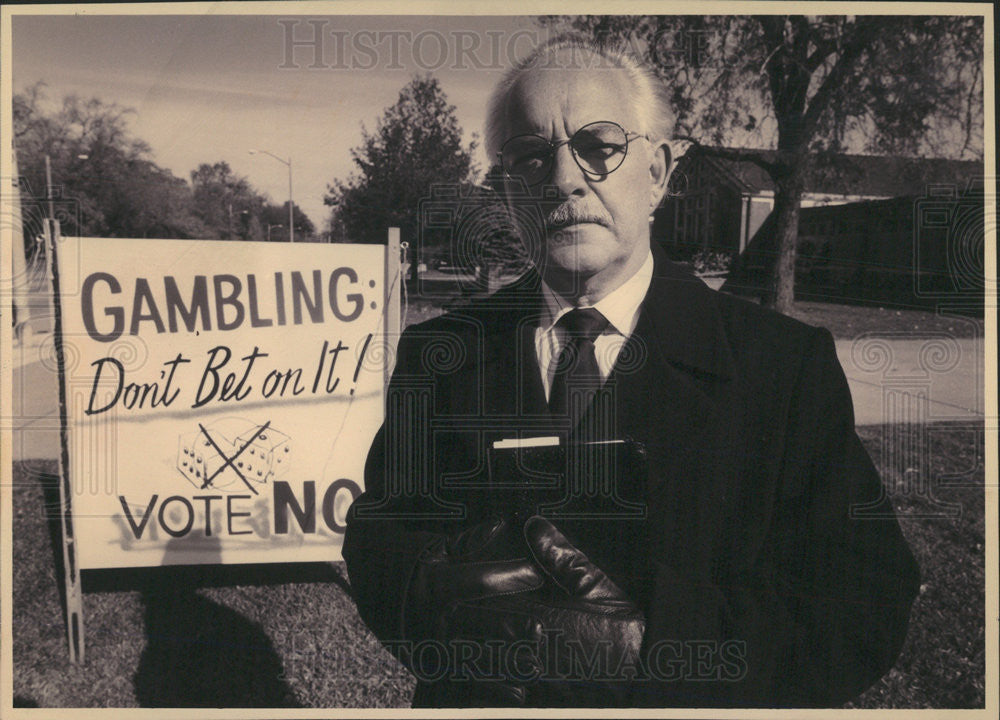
column 414, row 251
column 780, row 293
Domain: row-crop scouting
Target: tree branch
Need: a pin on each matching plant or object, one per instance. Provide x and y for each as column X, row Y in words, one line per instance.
column 970, row 104
column 757, row 157
column 852, row 50
column 824, row 49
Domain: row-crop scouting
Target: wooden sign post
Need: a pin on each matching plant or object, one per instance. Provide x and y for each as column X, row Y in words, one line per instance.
column 71, row 571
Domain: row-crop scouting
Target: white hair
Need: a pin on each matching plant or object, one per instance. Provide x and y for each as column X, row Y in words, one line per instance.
column 648, row 96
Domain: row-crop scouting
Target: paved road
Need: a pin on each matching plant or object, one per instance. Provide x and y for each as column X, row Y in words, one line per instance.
column 891, row 379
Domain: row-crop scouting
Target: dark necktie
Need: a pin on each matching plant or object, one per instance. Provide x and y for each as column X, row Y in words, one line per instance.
column 577, row 375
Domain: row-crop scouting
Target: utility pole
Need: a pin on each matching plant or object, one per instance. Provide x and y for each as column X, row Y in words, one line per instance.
column 291, row 203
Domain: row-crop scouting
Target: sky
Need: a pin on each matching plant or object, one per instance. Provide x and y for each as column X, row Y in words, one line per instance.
column 210, row 88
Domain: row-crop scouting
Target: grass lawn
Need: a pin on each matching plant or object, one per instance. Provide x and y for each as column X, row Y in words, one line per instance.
column 192, row 637
column 849, row 321
column 250, row 637
column 844, row 321
column 942, row 663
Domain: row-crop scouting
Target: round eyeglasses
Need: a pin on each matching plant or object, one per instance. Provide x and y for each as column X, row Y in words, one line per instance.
column 599, row 148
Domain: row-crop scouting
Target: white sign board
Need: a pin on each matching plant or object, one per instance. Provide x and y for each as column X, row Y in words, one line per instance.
column 221, row 396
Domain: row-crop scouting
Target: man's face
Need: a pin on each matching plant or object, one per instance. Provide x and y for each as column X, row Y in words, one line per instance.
column 596, row 229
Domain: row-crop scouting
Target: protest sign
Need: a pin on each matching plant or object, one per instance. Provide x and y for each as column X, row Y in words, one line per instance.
column 220, row 397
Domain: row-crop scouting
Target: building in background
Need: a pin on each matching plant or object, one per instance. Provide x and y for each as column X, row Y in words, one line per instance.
column 721, row 204
column 918, row 251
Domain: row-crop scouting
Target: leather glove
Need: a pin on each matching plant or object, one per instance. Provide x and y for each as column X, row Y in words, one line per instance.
column 485, row 561
column 574, row 642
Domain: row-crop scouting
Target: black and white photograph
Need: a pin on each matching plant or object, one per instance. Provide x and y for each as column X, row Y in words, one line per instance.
column 496, row 361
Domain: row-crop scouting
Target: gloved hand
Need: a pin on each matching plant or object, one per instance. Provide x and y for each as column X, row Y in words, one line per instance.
column 485, row 561
column 574, row 642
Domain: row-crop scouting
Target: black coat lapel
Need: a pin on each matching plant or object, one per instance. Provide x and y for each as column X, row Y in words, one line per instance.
column 672, row 385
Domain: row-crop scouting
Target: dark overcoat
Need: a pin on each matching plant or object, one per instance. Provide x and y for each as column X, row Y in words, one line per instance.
column 766, row 556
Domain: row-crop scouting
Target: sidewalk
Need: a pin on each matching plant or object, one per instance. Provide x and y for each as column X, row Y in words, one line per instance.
column 35, row 400
column 914, row 380
column 909, row 380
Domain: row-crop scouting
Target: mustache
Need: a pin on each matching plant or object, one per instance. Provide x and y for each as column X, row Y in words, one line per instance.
column 572, row 213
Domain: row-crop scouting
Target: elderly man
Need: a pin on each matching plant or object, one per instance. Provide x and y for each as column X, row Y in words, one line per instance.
column 715, row 534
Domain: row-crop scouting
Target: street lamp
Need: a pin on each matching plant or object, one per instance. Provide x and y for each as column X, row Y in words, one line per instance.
column 291, row 205
column 269, row 226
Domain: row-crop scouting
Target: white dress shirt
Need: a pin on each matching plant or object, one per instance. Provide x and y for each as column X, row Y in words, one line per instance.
column 620, row 307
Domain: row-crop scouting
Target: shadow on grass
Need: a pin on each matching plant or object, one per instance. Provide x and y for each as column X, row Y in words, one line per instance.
column 202, row 654
column 197, row 653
